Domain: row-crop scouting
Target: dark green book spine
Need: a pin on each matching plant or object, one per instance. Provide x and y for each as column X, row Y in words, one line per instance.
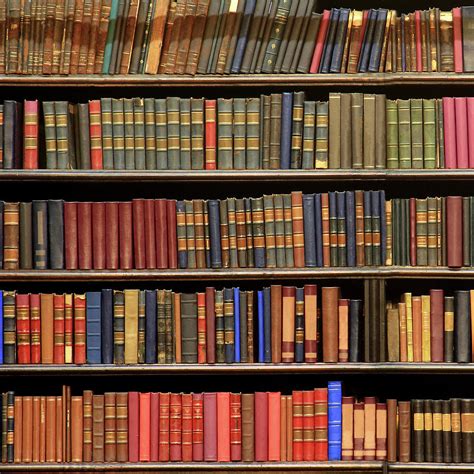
column 63, row 139
column 119, row 134
column 416, row 115
column 269, row 215
column 50, row 135
column 224, row 134
column 253, row 141
column 185, row 134
column 161, row 134
column 288, row 223
column 392, row 134
column 275, row 131
column 309, row 129
column 172, row 114
column 139, row 132
column 190, row 237
column 129, row 134
column 429, row 133
column 265, row 125
column 239, row 129
column 107, row 133
column 189, row 328
column 224, row 222
column 404, row 134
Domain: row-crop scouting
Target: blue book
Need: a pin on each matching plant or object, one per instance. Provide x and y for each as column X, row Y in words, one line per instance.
column 334, row 421
column 261, row 348
column 243, row 36
column 236, row 324
column 1, row 326
column 309, row 230
column 383, row 228
column 336, row 60
column 150, row 327
column 93, row 327
column 377, row 42
column 110, row 36
column 329, row 44
column 286, row 125
column 267, row 324
column 318, row 218
column 215, row 233
column 367, row 42
column 350, row 229
column 107, row 315
column 181, row 234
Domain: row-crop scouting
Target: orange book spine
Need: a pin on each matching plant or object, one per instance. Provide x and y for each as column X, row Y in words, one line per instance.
column 308, row 425
column 144, row 444
column 223, row 422
column 274, row 426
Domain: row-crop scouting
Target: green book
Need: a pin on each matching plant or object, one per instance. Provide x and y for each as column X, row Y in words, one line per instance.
column 239, row 133
column 161, row 327
column 322, row 144
column 392, row 134
column 197, row 134
column 50, row 135
column 224, row 134
column 161, row 134
column 107, row 133
column 190, row 237
column 380, row 132
column 172, row 117
column 129, row 132
column 404, row 134
column 63, row 137
column 309, row 129
column 241, row 233
column 279, row 231
column 440, row 133
column 297, row 130
column 110, row 36
column 416, row 115
column 429, row 133
column 185, row 134
column 253, row 133
column 357, row 118
column 119, row 134
column 369, row 131
column 269, row 217
column 288, row 223
column 150, row 137
column 139, row 133
column 249, row 232
column 231, row 217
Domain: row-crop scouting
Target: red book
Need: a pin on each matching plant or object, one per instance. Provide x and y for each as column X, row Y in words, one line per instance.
column 261, row 426
column 449, row 121
column 210, row 133
column 125, row 235
column 210, row 426
column 210, row 326
column 138, row 206
column 68, row 328
column 164, row 450
column 413, row 231
column 175, row 427
column 95, row 131
column 23, row 329
column 187, row 427
column 150, row 244
column 30, row 135
column 437, row 325
column 35, row 328
column 298, row 448
column 457, row 39
column 70, row 235
column 470, row 128
column 58, row 304
column 84, row 234
column 133, row 426
column 223, row 424
column 172, row 239
column 235, row 427
column 320, row 424
column 462, row 147
column 274, row 419
column 112, row 226
column 419, row 61
column 198, row 427
column 201, row 327
column 320, row 41
column 154, row 426
column 98, row 235
column 308, row 425
column 454, row 223
column 79, row 329
column 145, row 427
column 161, row 233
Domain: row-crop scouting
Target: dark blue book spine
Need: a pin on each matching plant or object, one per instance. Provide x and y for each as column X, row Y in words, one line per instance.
column 341, row 229
column 229, row 331
column 383, row 228
column 299, row 325
column 367, row 43
column 93, row 325
column 215, row 233
column 318, row 220
column 329, row 44
column 181, row 234
column 334, row 421
column 286, row 128
column 375, row 202
column 1, row 326
column 107, row 314
column 377, row 43
column 243, row 36
column 267, row 324
column 309, row 230
column 355, row 330
column 150, row 327
column 261, row 338
column 350, row 229
column 339, row 42
column 236, row 324
column 402, row 29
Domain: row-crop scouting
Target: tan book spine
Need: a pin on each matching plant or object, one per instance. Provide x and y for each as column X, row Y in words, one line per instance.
column 129, row 36
column 131, row 326
column 156, row 37
column 76, row 429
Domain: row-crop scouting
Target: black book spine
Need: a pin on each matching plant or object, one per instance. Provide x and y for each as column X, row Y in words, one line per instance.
column 467, row 430
column 418, row 437
column 367, row 42
column 309, row 230
column 56, row 234
column 428, row 430
column 446, row 410
column 40, row 235
column 107, row 326
column 299, row 325
column 462, row 338
column 437, row 431
column 355, row 330
column 26, row 232
column 456, row 439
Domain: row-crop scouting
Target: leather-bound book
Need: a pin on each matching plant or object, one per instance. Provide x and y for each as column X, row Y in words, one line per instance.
column 121, row 408
column 93, row 327
column 269, row 217
column 347, row 428
column 288, row 324
column 133, row 426
column 210, row 426
column 310, row 324
column 283, row 427
column 190, row 234
column 79, row 328
column 308, row 425
column 201, row 328
column 198, row 427
column 87, row 398
column 418, row 440
column 160, row 233
column 309, row 230
column 47, row 327
column 248, row 416
column 456, row 427
column 35, row 329
column 110, row 429
column 417, row 329
column 343, row 329
column 229, row 327
column 95, row 132
column 23, row 333
column 98, row 424
column 40, row 235
column 462, row 327
column 312, row 27
column 223, row 423
column 98, row 235
column 128, row 33
column 298, row 228
column 131, row 326
column 467, row 409
column 18, row 430
column 467, row 15
column 84, row 235
column 171, row 231
column 320, row 424
column 119, row 327
column 359, row 431
column 381, row 432
column 107, row 328
column 138, row 212
column 58, row 304
column 393, row 335
column 125, row 235
column 181, row 234
column 9, row 328
column 189, row 327
column 55, row 234
column 437, row 434
column 334, row 421
column 261, row 426
column 449, row 329
column 50, row 429
column 112, row 226
column 437, row 325
column 329, row 43
column 144, row 453
column 258, row 232
column 446, row 421
column 274, row 426
column 70, row 236
column 454, row 231
column 355, row 330
column 77, row 429
column 370, row 425
column 235, row 427
column 330, row 334
column 187, row 427
column 171, row 346
column 151, row 327
column 446, row 41
column 392, row 435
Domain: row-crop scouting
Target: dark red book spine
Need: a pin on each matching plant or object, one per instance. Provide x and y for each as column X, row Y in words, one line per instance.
column 198, row 427
column 84, row 234
column 235, row 427
column 154, row 426
column 210, row 325
column 150, row 244
column 58, row 305
column 172, row 239
column 98, row 235
column 35, row 328
column 125, row 235
column 454, row 223
column 23, row 329
column 112, row 226
column 210, row 427
column 175, row 427
column 187, row 427
column 413, row 231
column 164, row 449
column 70, row 235
column 261, row 426
column 161, row 233
column 133, row 426
column 138, row 206
column 145, row 428
column 437, row 325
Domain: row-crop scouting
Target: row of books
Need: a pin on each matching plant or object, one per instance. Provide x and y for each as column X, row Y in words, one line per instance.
column 242, row 36
column 277, row 131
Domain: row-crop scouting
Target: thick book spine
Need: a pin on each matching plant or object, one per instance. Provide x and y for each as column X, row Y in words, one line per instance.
column 334, row 421
column 93, row 325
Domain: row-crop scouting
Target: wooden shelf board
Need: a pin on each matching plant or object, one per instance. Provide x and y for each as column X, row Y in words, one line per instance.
column 430, row 467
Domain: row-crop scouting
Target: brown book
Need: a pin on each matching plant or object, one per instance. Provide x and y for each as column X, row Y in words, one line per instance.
column 110, row 442
column 11, row 236
column 102, row 36
column 122, row 426
column 76, row 36
column 381, row 432
column 50, row 429
column 47, row 328
column 347, row 428
column 186, row 35
column 59, row 429
column 402, row 314
column 98, row 425
column 36, row 429
column 87, row 424
column 129, row 35
column 393, row 335
column 404, row 431
column 391, row 430
column 48, row 37
column 343, row 330
column 42, row 448
column 330, row 298
column 27, row 429
column 370, row 427
column 76, row 429
column 283, row 428
column 359, row 431
column 454, row 241
column 176, row 37
column 156, row 37
column 18, row 429
column 93, row 36
column 200, row 24
column 276, row 316
column 228, row 34
column 85, row 36
column 288, row 324
column 248, row 410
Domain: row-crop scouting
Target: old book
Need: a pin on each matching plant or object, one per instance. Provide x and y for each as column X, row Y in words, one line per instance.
column 330, row 323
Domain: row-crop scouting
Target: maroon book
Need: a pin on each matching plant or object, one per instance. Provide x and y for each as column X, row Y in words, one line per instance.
column 198, row 427
column 70, row 235
column 150, row 249
column 437, row 325
column 133, row 426
column 210, row 325
column 454, row 241
column 125, row 235
column 172, row 240
column 161, row 233
column 154, row 426
column 261, row 426
column 84, row 235
column 210, row 427
column 112, row 226
column 98, row 235
column 139, row 233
